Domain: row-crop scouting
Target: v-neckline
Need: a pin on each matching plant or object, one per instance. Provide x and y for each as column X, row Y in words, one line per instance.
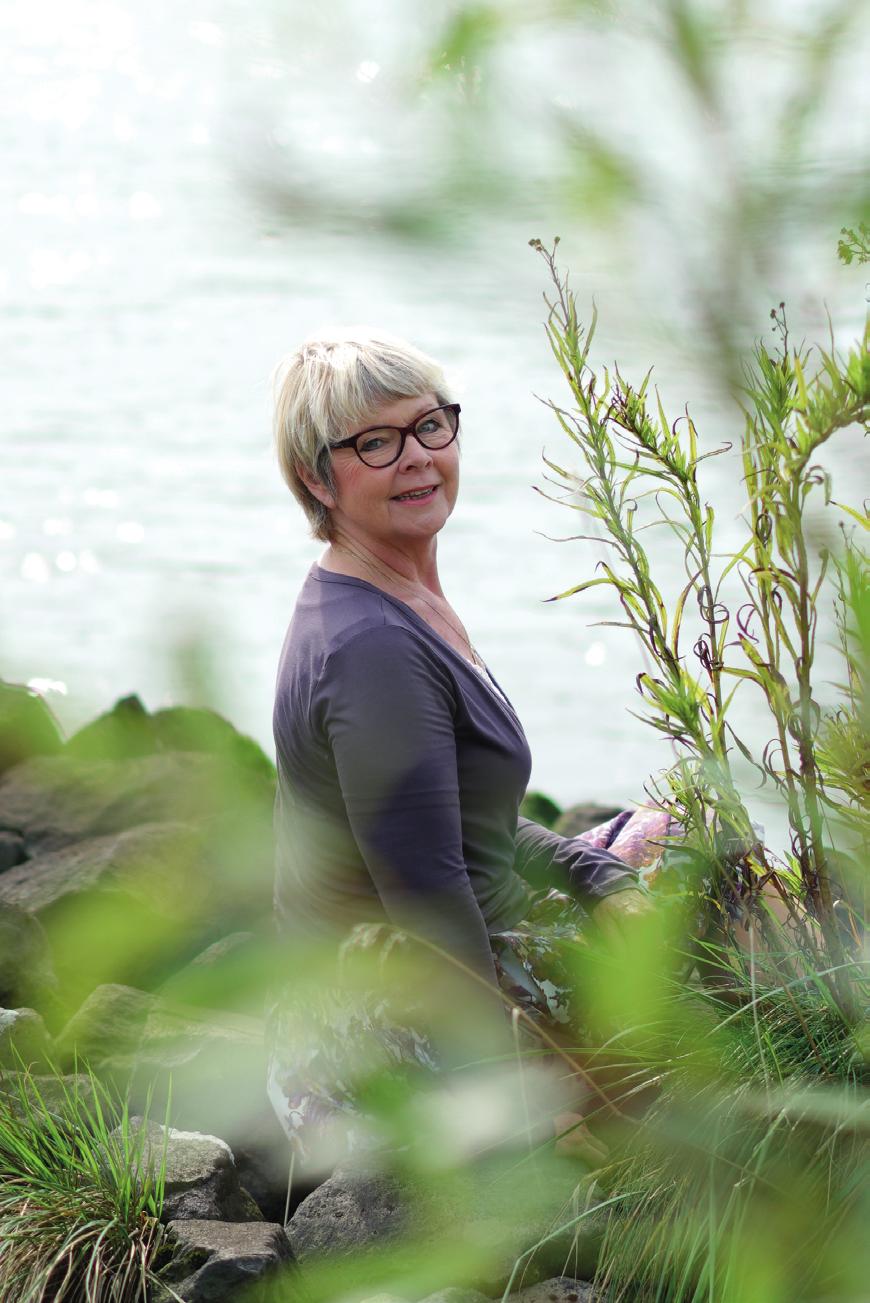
column 335, row 576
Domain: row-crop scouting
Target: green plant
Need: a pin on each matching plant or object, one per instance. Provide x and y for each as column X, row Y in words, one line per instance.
column 643, row 470
column 79, row 1209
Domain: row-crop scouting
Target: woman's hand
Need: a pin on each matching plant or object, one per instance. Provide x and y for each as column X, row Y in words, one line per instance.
column 614, row 914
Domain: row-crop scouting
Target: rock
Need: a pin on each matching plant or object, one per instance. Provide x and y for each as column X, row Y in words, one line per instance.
column 12, row 850
column 457, row 1293
column 127, row 731
column 540, row 809
column 210, row 1068
column 46, row 1093
column 560, row 1289
column 24, row 1042
column 221, row 1257
column 110, row 1022
column 350, row 1212
column 230, row 974
column 580, row 818
column 55, row 800
column 26, row 973
column 200, row 1175
column 477, row 1212
column 27, row 726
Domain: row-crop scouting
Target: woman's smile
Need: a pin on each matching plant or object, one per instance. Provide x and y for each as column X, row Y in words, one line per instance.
column 412, row 496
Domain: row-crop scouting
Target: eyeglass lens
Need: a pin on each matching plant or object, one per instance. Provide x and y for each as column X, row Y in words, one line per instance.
column 434, row 430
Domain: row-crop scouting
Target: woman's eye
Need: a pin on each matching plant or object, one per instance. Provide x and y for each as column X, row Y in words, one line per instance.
column 427, row 426
column 372, row 444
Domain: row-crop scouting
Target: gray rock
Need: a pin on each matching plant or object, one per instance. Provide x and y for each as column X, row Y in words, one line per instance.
column 110, row 1022
column 221, row 1257
column 24, row 1042
column 560, row 1289
column 350, row 1212
column 457, row 1293
column 142, row 862
column 211, row 1071
column 27, row 727
column 580, row 818
column 26, row 973
column 201, row 1182
column 232, row 973
column 12, row 850
column 47, row 1093
column 55, row 800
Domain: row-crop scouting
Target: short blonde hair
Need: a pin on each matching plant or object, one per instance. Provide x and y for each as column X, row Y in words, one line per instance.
column 331, row 384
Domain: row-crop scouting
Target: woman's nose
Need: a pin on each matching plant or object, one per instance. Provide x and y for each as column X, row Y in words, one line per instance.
column 414, row 454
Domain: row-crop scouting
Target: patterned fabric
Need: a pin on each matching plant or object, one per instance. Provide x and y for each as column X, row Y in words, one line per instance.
column 324, row 1041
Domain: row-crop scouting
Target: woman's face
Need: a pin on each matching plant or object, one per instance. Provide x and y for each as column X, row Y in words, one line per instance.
column 369, row 501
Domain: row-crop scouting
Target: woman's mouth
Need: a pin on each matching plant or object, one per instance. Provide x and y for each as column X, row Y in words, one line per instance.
column 417, row 495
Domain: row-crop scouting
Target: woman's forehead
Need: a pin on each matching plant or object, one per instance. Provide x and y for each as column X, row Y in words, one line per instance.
column 399, row 411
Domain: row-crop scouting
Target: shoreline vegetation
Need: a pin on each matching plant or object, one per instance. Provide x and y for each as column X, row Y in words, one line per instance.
column 138, row 1153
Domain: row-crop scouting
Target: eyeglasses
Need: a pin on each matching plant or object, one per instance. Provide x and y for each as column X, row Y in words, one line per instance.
column 384, row 444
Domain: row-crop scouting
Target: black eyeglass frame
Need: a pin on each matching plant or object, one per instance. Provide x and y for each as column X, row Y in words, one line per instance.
column 403, row 435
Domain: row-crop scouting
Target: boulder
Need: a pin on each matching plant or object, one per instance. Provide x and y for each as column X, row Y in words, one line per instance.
column 216, row 1259
column 27, row 726
column 458, row 1293
column 128, row 730
column 540, row 809
column 582, row 817
column 359, row 1209
column 232, row 973
column 46, row 1093
column 26, row 972
column 200, row 1177
column 560, row 1289
column 12, row 850
column 24, row 1042
column 110, row 1022
column 54, row 800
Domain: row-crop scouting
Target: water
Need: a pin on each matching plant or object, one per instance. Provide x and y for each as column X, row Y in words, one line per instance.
column 148, row 291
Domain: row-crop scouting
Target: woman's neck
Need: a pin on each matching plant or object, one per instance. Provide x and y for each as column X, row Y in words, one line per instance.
column 382, row 563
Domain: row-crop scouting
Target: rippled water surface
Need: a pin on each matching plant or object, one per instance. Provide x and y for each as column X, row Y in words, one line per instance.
column 148, row 291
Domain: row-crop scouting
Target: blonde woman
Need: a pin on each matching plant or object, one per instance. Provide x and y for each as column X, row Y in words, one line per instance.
column 401, row 761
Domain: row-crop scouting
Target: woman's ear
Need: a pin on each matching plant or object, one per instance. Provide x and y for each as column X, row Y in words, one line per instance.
column 316, row 488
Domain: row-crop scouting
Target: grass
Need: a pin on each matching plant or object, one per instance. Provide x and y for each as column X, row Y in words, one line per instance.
column 79, row 1210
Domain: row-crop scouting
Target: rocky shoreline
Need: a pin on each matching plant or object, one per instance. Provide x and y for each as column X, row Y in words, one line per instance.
column 135, row 924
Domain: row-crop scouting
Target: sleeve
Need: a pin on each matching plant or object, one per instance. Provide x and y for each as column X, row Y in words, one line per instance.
column 388, row 714
column 585, row 872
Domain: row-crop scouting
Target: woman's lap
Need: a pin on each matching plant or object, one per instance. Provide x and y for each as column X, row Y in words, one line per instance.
column 323, row 1043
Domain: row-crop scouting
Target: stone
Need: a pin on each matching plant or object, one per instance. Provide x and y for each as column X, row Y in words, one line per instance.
column 110, row 1022
column 458, row 1293
column 201, row 1181
column 540, row 809
column 47, row 1093
column 350, row 1212
column 559, row 1289
column 232, row 973
column 55, row 800
column 12, row 850
column 128, row 730
column 476, row 1212
column 219, row 1258
column 210, row 1068
column 27, row 727
column 24, row 1042
column 582, row 817
column 26, row 973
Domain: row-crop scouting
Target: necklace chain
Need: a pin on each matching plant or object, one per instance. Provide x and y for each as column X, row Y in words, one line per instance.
column 392, row 577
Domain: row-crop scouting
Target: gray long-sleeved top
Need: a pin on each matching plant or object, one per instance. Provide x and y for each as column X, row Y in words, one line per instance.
column 400, row 774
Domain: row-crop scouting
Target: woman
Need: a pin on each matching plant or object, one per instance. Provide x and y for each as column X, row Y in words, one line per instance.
column 401, row 762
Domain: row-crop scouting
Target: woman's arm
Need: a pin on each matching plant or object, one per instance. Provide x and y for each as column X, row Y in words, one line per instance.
column 387, row 711
column 585, row 872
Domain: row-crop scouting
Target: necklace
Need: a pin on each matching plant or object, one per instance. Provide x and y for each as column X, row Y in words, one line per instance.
column 393, row 578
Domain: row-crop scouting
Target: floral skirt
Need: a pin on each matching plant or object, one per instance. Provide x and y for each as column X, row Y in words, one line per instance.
column 323, row 1042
